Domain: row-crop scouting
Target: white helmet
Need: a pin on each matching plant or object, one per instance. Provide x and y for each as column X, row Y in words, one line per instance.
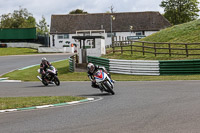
column 91, row 67
column 44, row 59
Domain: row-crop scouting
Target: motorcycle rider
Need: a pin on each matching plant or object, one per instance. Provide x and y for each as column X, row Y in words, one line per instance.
column 43, row 67
column 92, row 69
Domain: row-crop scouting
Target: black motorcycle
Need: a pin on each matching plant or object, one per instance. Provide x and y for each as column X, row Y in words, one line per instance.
column 50, row 76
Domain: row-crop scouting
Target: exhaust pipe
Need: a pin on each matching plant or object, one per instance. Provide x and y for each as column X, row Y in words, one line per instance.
column 39, row 78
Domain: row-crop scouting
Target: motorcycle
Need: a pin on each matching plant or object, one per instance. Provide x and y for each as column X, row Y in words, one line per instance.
column 50, row 77
column 104, row 82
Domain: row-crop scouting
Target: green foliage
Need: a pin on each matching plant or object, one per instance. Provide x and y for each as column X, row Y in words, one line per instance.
column 18, row 19
column 23, row 19
column 180, row 11
column 78, row 11
column 42, row 27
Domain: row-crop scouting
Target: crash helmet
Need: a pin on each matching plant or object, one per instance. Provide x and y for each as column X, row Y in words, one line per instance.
column 44, row 59
column 90, row 67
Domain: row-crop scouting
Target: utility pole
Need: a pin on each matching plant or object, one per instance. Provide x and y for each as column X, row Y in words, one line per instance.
column 111, row 19
column 111, row 9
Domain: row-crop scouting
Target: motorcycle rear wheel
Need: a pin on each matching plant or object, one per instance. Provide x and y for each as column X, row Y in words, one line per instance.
column 44, row 82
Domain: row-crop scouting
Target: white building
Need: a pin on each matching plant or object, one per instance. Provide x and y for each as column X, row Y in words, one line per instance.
column 121, row 25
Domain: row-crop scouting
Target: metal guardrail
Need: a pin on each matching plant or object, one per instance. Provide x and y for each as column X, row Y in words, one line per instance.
column 134, row 67
column 148, row 67
column 179, row 67
column 99, row 61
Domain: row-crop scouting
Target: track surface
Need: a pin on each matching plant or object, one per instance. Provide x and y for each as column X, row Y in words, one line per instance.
column 8, row 63
column 137, row 107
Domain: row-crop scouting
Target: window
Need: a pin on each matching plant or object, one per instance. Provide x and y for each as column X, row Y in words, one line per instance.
column 60, row 36
column 138, row 33
column 63, row 36
column 109, row 34
column 66, row 36
column 86, row 34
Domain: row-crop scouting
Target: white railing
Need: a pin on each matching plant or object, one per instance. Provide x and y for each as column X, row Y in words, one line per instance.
column 134, row 67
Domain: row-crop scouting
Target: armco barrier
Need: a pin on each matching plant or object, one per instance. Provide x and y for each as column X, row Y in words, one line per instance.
column 179, row 67
column 99, row 61
column 134, row 67
column 148, row 67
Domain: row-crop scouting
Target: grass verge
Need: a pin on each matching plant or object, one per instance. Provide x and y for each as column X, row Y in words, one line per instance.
column 64, row 75
column 23, row 102
column 17, row 51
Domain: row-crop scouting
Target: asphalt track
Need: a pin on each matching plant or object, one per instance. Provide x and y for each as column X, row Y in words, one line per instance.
column 137, row 107
column 8, row 63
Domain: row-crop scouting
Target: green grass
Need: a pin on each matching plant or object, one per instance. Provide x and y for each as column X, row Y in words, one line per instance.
column 64, row 75
column 147, row 56
column 122, row 77
column 30, row 75
column 17, row 51
column 23, row 102
column 183, row 33
column 186, row 33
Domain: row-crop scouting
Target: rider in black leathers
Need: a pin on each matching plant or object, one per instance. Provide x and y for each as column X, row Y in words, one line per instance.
column 43, row 67
column 92, row 69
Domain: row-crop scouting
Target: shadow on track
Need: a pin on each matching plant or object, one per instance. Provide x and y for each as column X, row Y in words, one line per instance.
column 39, row 86
column 97, row 94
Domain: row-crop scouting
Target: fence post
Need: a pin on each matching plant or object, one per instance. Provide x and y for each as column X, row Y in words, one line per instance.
column 113, row 49
column 143, row 47
column 131, row 49
column 121, row 49
column 186, row 49
column 169, row 49
column 155, row 49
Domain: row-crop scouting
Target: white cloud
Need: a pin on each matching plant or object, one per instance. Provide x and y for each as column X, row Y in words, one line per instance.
column 49, row 7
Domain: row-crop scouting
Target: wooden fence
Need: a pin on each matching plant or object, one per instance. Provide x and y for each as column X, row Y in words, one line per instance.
column 156, row 48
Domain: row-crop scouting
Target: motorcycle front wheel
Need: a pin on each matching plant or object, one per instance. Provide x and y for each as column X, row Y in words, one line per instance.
column 56, row 81
column 109, row 88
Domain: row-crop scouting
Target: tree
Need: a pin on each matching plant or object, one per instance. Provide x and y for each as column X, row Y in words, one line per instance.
column 6, row 21
column 180, row 11
column 78, row 11
column 18, row 19
column 42, row 27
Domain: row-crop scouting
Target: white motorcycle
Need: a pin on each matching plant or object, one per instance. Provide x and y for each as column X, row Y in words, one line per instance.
column 50, row 77
column 104, row 82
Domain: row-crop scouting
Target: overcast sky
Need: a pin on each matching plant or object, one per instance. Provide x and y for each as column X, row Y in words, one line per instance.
column 49, row 7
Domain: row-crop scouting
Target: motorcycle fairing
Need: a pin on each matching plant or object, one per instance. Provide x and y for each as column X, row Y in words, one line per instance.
column 99, row 75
